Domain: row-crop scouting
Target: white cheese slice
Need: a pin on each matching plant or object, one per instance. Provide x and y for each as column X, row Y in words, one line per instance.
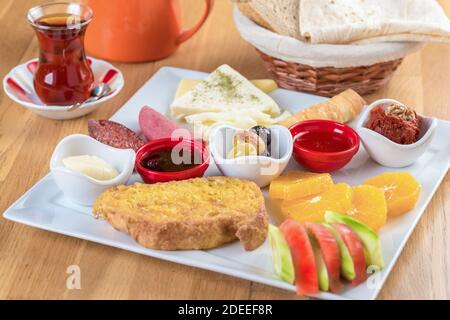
column 223, row 90
column 265, row 85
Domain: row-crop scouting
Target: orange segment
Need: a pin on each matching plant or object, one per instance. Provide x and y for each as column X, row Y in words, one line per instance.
column 369, row 206
column 401, row 191
column 337, row 198
column 299, row 184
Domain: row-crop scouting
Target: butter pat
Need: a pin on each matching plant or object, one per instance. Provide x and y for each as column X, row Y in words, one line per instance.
column 91, row 166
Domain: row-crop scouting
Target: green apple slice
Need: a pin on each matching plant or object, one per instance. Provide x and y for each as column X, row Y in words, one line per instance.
column 369, row 238
column 322, row 272
column 281, row 255
column 347, row 265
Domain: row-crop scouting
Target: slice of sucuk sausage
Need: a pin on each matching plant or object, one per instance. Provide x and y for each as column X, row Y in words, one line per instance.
column 155, row 125
column 114, row 134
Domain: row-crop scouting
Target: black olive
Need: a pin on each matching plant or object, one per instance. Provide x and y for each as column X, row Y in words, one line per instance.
column 265, row 134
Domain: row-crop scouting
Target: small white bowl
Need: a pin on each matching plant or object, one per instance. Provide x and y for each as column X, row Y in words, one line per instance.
column 18, row 85
column 389, row 153
column 79, row 187
column 260, row 169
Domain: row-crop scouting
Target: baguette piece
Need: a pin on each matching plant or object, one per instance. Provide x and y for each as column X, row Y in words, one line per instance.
column 281, row 16
column 199, row 213
column 343, row 107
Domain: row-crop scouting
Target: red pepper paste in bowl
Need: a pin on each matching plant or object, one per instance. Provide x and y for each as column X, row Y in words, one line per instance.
column 396, row 122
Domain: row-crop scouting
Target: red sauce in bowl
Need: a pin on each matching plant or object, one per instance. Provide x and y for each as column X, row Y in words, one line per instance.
column 323, row 145
column 323, row 141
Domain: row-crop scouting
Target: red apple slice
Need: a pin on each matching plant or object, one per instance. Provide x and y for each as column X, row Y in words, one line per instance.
column 356, row 250
column 303, row 257
column 330, row 252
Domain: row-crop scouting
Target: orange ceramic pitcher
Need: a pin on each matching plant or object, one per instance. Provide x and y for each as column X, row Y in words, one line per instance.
column 138, row 30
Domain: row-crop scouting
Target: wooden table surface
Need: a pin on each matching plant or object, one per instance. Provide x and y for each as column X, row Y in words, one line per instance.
column 33, row 262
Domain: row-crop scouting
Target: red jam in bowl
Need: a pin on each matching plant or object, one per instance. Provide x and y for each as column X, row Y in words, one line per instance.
column 163, row 160
column 168, row 161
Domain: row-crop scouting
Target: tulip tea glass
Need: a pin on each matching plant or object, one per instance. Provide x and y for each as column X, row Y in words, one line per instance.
column 64, row 76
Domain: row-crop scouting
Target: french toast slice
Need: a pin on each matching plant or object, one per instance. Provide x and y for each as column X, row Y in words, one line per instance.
column 199, row 213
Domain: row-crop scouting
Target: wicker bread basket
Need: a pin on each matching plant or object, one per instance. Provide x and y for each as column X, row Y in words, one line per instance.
column 300, row 66
column 329, row 81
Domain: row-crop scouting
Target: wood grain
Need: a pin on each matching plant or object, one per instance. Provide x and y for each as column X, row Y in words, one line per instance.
column 33, row 262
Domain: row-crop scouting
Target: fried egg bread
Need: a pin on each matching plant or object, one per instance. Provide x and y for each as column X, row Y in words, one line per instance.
column 198, row 213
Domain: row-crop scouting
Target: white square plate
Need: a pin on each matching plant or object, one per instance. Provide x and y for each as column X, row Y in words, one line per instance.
column 44, row 206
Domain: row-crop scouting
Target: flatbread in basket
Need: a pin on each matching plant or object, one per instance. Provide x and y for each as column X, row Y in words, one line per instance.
column 370, row 21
